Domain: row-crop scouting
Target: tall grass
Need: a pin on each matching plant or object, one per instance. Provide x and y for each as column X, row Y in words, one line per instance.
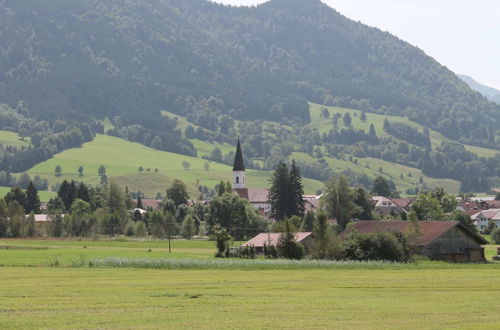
column 261, row 264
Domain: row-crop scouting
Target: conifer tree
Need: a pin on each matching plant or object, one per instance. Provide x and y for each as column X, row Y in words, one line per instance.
column 279, row 194
column 321, row 235
column 297, row 190
column 286, row 193
column 32, row 199
column 139, row 201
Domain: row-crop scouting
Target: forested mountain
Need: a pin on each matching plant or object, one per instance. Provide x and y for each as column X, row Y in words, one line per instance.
column 491, row 93
column 168, row 73
column 132, row 58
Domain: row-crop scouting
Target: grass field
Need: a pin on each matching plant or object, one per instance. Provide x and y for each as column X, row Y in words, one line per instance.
column 123, row 158
column 44, row 195
column 323, row 126
column 12, row 139
column 427, row 295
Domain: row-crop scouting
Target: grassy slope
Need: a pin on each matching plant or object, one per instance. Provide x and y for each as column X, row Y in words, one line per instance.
column 122, row 159
column 324, row 125
column 12, row 139
column 391, row 170
column 409, row 296
column 44, row 195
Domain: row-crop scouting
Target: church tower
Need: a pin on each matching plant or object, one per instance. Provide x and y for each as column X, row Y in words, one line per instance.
column 239, row 180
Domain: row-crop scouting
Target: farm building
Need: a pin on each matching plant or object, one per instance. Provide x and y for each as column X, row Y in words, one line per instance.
column 271, row 239
column 443, row 240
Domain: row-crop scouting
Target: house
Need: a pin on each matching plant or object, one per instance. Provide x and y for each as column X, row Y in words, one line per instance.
column 43, row 222
column 443, row 240
column 41, row 218
column 271, row 239
column 483, row 218
column 386, row 207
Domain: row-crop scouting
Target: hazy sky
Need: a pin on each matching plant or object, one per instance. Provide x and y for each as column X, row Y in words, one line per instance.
column 464, row 35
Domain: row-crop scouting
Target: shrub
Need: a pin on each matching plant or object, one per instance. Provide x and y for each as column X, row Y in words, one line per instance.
column 495, row 235
column 489, row 229
column 130, row 229
column 378, row 246
column 222, row 239
column 140, row 229
column 247, row 252
column 289, row 248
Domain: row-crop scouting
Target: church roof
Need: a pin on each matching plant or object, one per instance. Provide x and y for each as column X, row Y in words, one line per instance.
column 239, row 164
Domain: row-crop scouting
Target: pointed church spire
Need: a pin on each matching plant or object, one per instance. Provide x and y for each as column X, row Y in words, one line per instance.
column 239, row 164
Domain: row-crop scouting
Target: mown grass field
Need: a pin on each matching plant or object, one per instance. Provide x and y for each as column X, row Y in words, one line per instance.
column 431, row 295
column 123, row 158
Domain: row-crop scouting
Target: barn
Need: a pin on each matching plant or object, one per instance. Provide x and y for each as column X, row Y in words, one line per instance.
column 442, row 240
column 271, row 239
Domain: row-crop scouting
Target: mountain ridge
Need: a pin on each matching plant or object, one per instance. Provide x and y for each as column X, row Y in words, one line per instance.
column 489, row 92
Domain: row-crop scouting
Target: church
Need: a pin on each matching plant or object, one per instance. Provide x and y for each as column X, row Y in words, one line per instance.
column 256, row 196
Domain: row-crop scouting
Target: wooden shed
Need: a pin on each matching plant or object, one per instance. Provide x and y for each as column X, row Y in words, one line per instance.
column 442, row 240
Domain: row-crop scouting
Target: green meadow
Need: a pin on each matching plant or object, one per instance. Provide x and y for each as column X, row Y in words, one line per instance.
column 122, row 160
column 42, row 288
column 12, row 139
column 323, row 126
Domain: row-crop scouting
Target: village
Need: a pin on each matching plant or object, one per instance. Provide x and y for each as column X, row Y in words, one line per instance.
column 444, row 238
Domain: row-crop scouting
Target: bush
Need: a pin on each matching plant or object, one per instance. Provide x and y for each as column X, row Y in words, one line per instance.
column 247, row 252
column 489, row 229
column 379, row 246
column 495, row 235
column 270, row 251
column 140, row 229
column 130, row 229
column 222, row 239
column 289, row 248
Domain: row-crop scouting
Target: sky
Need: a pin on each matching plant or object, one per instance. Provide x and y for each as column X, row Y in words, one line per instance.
column 463, row 35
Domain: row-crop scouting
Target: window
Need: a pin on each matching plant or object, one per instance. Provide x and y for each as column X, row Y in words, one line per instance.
column 237, row 179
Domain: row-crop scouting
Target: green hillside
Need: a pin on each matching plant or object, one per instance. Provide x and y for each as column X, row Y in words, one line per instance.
column 369, row 166
column 324, row 125
column 122, row 160
column 44, row 195
column 13, row 139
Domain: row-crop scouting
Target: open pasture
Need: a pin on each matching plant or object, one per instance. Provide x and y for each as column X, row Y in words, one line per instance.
column 54, row 297
column 122, row 160
column 57, row 292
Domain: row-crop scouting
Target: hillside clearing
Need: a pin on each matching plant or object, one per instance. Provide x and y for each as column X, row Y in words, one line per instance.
column 122, row 160
column 324, row 125
column 13, row 139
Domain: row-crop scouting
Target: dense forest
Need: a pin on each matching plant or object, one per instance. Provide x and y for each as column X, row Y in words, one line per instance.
column 66, row 65
column 133, row 58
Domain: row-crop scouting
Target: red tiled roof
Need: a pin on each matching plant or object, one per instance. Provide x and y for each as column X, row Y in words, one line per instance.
column 495, row 204
column 253, row 195
column 401, row 202
column 151, row 202
column 430, row 230
column 272, row 239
